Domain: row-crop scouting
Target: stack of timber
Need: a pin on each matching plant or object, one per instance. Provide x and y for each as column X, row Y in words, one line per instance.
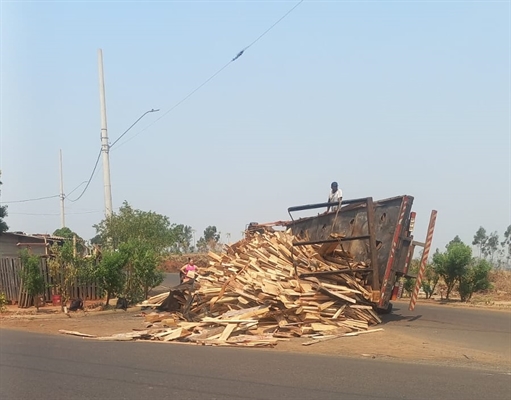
column 265, row 269
column 263, row 289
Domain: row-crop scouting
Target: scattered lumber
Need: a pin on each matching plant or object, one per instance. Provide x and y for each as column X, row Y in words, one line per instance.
column 252, row 295
column 75, row 333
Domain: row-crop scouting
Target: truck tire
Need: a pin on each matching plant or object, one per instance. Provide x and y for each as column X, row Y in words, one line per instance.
column 385, row 311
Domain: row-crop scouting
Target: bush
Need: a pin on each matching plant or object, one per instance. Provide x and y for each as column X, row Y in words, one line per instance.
column 31, row 276
column 3, row 302
column 110, row 273
column 475, row 279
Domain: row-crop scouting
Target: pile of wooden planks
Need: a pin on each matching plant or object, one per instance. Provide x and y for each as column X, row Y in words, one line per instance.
column 264, row 270
column 263, row 289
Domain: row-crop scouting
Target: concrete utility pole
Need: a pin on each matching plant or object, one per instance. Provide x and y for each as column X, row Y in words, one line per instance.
column 62, row 196
column 105, row 146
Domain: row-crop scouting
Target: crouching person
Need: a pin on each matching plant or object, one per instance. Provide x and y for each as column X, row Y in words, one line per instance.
column 76, row 304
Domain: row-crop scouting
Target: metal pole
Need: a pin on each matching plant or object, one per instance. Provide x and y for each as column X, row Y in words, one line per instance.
column 105, row 146
column 62, row 196
column 424, row 260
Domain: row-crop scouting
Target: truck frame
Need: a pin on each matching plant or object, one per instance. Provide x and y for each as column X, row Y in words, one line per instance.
column 378, row 233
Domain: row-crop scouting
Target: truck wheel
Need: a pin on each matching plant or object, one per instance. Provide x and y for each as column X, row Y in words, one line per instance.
column 387, row 310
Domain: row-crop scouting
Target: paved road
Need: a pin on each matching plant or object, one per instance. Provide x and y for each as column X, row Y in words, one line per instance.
column 35, row 366
column 483, row 329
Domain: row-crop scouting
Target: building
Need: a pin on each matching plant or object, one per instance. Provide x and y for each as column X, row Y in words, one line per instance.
column 11, row 243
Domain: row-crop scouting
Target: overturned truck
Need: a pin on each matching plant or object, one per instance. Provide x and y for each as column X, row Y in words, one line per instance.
column 377, row 233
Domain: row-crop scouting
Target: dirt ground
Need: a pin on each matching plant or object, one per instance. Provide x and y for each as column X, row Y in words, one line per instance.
column 389, row 344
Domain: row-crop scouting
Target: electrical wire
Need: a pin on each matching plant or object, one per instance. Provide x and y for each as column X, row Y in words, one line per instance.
column 211, row 77
column 132, row 125
column 240, row 53
column 27, row 200
column 39, row 198
column 72, row 191
column 178, row 103
column 53, row 214
column 90, row 179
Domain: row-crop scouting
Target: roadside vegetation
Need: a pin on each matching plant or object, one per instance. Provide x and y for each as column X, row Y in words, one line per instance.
column 458, row 271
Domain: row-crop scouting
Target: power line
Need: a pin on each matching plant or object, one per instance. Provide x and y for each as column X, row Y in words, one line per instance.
column 53, row 214
column 132, row 125
column 179, row 102
column 90, row 179
column 72, row 191
column 38, row 198
column 27, row 200
column 212, row 76
column 270, row 28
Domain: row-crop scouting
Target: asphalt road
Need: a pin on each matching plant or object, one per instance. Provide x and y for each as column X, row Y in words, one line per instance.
column 480, row 328
column 34, row 366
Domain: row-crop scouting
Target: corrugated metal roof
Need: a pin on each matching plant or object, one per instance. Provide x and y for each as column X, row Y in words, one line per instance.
column 40, row 236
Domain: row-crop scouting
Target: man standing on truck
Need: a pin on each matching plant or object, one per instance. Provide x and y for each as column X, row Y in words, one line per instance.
column 335, row 196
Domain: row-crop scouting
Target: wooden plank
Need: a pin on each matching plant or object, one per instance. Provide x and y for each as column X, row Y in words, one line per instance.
column 76, row 333
column 227, row 331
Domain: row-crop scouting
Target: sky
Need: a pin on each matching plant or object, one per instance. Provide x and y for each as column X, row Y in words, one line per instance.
column 387, row 98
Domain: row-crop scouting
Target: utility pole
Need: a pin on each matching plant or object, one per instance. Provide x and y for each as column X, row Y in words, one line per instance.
column 62, row 196
column 105, row 146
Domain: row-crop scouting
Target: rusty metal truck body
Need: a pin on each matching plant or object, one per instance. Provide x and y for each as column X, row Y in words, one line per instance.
column 378, row 233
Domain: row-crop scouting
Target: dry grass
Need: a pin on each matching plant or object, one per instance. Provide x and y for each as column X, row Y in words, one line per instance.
column 500, row 291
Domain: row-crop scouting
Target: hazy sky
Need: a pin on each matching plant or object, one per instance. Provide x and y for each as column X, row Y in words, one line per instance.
column 385, row 97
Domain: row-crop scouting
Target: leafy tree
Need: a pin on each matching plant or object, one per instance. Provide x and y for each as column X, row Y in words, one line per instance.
column 68, row 234
column 210, row 239
column 409, row 283
column 31, row 275
column 97, row 240
column 136, row 225
column 110, row 273
column 63, row 269
column 142, row 270
column 475, row 279
column 480, row 239
column 455, row 240
column 452, row 264
column 3, row 214
column 429, row 278
column 491, row 246
column 506, row 244
column 183, row 235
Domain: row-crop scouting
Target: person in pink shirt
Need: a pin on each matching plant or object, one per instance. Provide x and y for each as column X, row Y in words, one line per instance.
column 188, row 271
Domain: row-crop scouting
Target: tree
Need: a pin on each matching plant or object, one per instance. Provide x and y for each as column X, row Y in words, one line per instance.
column 63, row 269
column 183, row 235
column 506, row 244
column 129, row 224
column 31, row 275
column 144, row 237
column 68, row 234
column 3, row 213
column 475, row 279
column 452, row 264
column 97, row 240
column 491, row 246
column 480, row 239
column 210, row 239
column 142, row 270
column 409, row 283
column 429, row 278
column 110, row 273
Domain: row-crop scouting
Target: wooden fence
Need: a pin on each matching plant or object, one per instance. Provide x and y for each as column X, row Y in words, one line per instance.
column 12, row 286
